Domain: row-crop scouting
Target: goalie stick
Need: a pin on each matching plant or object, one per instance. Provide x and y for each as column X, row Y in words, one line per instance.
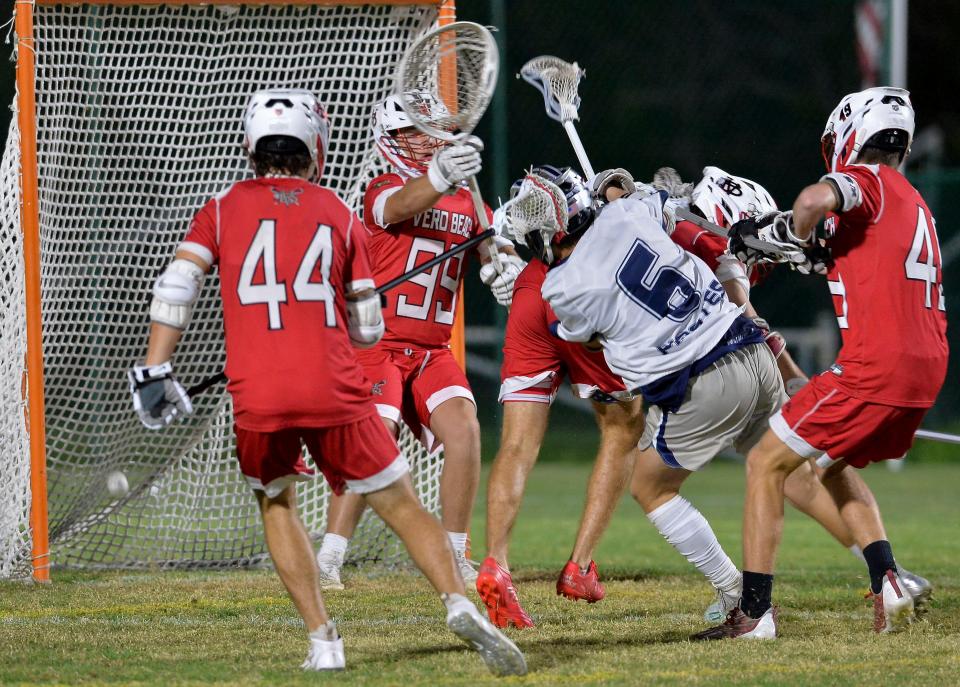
column 202, row 386
column 459, row 65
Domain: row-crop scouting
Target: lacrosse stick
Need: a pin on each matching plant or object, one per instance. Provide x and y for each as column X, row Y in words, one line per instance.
column 458, row 64
column 205, row 384
column 558, row 81
column 539, row 203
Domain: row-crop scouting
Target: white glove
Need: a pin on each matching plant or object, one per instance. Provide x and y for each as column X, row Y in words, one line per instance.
column 611, row 178
column 455, row 164
column 501, row 285
column 767, row 238
column 158, row 398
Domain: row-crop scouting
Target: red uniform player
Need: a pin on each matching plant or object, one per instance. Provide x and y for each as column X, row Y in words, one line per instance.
column 888, row 295
column 297, row 291
column 412, row 215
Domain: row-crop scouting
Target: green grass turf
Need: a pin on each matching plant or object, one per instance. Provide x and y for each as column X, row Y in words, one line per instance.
column 240, row 628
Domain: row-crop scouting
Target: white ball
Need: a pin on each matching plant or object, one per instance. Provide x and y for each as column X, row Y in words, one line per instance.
column 117, row 485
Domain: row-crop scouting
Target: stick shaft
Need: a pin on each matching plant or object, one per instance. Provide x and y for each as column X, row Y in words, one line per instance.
column 694, row 218
column 937, row 436
column 486, row 235
column 577, row 144
column 485, row 223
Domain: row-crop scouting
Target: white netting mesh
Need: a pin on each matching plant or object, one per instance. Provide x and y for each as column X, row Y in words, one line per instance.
column 471, row 50
column 559, row 81
column 139, row 112
column 539, row 204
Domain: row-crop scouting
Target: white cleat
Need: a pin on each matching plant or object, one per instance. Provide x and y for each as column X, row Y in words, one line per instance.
column 500, row 654
column 725, row 602
column 325, row 655
column 893, row 606
column 919, row 588
column 467, row 571
column 739, row 625
column 329, row 572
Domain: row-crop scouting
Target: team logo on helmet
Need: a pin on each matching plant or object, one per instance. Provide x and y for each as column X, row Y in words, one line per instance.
column 729, row 186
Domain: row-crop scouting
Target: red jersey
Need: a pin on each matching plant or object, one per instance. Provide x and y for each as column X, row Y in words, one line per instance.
column 531, row 353
column 706, row 246
column 887, row 290
column 419, row 311
column 287, row 250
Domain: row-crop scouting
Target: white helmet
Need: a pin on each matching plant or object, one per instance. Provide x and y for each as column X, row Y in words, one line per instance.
column 860, row 117
column 276, row 115
column 408, row 151
column 724, row 199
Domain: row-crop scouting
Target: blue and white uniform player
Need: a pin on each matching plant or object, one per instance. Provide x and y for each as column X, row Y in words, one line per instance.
column 665, row 325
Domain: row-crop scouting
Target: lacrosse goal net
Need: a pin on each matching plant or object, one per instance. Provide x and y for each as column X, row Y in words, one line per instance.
column 138, row 123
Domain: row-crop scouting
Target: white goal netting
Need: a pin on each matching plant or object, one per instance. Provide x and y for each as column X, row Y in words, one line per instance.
column 139, row 123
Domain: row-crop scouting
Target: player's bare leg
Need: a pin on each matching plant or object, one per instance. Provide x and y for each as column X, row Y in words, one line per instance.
column 292, row 553
column 656, row 487
column 524, row 426
column 808, row 495
column 431, row 551
column 454, row 422
column 343, row 515
column 621, row 426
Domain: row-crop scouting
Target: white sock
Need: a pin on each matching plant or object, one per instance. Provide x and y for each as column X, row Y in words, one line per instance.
column 456, row 601
column 325, row 633
column 334, row 546
column 858, row 553
column 459, row 541
column 688, row 532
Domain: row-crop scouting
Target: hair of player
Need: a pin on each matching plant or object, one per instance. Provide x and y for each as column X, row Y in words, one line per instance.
column 280, row 155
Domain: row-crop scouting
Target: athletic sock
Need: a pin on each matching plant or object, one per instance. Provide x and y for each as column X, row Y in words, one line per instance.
column 326, row 633
column 455, row 601
column 857, row 553
column 757, row 591
column 459, row 541
column 688, row 532
column 879, row 557
column 334, row 546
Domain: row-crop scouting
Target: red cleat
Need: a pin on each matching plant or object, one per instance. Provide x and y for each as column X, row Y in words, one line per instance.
column 574, row 584
column 495, row 587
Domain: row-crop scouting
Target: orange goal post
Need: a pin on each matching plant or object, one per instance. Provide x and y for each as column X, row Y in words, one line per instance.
column 127, row 120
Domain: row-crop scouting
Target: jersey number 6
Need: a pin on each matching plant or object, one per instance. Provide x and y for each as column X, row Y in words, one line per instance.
column 262, row 249
column 663, row 291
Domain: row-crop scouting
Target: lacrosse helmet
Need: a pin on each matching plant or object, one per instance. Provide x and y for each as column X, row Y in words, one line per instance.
column 400, row 143
column 581, row 210
column 286, row 121
column 725, row 199
column 877, row 117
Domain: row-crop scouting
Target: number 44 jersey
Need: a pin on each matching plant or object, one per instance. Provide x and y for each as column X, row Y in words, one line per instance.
column 655, row 308
column 287, row 250
column 421, row 310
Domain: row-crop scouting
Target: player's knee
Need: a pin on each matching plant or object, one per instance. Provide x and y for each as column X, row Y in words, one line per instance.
column 772, row 456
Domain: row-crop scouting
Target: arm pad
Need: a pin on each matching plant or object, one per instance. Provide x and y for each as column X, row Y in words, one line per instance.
column 174, row 293
column 364, row 321
column 729, row 268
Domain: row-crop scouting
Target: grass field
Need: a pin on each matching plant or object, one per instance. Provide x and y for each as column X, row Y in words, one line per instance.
column 240, row 628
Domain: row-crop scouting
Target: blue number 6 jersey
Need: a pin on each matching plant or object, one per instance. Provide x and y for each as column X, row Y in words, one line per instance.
column 655, row 308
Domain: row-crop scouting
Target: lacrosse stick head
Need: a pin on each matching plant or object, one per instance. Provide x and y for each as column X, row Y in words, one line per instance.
column 558, row 81
column 455, row 65
column 547, row 206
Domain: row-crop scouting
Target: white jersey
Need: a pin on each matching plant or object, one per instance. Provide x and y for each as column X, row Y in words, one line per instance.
column 655, row 308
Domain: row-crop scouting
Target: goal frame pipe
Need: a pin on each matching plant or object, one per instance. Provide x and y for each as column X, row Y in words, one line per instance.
column 30, row 228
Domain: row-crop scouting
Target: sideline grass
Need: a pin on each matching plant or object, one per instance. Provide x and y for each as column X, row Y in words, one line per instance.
column 239, row 627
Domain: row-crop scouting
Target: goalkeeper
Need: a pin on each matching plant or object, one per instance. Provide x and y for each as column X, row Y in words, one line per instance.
column 297, row 291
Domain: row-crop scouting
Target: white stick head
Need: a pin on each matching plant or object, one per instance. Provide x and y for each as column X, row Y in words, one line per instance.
column 458, row 64
column 558, row 81
column 535, row 215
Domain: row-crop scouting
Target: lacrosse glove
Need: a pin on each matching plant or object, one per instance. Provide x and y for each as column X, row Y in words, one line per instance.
column 501, row 285
column 611, row 178
column 767, row 238
column 451, row 166
column 158, row 398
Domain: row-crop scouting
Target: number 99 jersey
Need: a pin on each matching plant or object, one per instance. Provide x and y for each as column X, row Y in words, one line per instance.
column 421, row 310
column 287, row 250
column 655, row 308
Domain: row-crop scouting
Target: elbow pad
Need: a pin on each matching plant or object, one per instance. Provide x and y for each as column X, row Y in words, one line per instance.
column 729, row 268
column 174, row 293
column 364, row 321
column 846, row 188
